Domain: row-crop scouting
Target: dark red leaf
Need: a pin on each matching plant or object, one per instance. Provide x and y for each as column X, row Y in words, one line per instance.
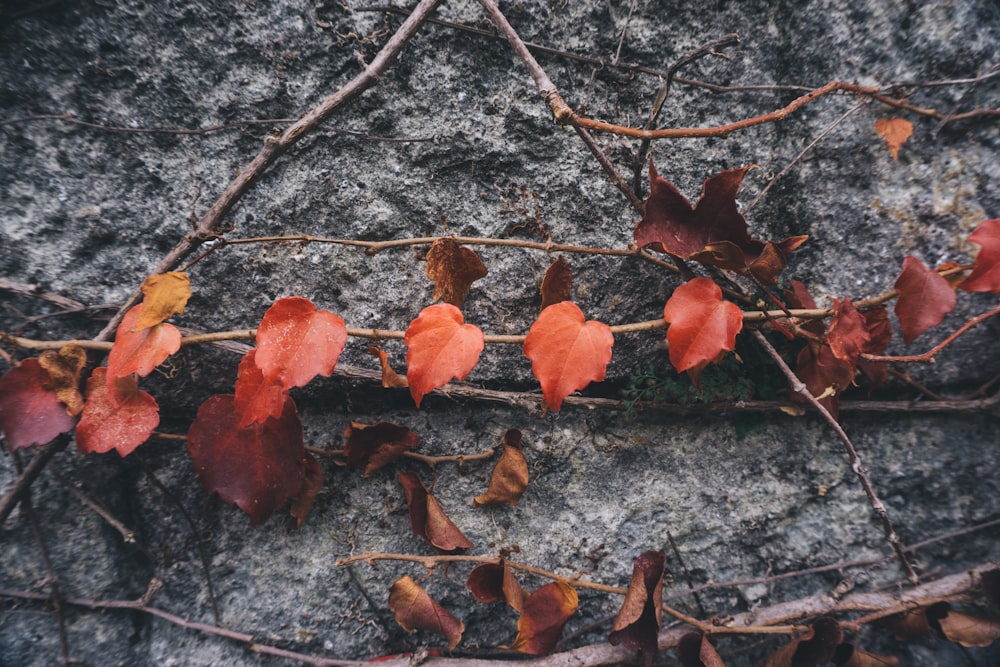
column 491, row 582
column 371, row 446
column 824, row 375
column 925, row 297
column 310, row 489
column 29, row 413
column 879, row 335
column 848, row 333
column 638, row 621
column 985, row 276
column 814, row 649
column 117, row 415
column 428, row 519
column 256, row 400
column 557, row 283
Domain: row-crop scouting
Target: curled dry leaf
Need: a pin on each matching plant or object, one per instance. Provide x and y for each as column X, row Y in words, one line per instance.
column 925, row 297
column 567, row 351
column 702, row 326
column 895, row 131
column 390, row 379
column 256, row 399
column 510, row 475
column 311, row 486
column 638, row 621
column 63, row 369
column 416, row 610
column 491, row 582
column 694, row 650
column 427, row 518
column 942, row 620
column 296, row 342
column 557, row 283
column 164, row 295
column 814, row 649
column 851, row 656
column 453, row 269
column 371, row 446
column 848, row 333
column 117, row 415
column 545, row 613
column 140, row 351
column 30, row 414
column 440, row 347
column 985, row 276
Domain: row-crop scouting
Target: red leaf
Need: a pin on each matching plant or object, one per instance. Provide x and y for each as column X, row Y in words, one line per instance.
column 848, row 334
column 29, row 413
column 638, row 621
column 117, row 415
column 824, row 375
column 256, row 400
column 372, row 446
column 491, row 582
column 545, row 613
column 566, row 351
column 702, row 326
column 428, row 519
column 440, row 347
column 985, row 276
column 453, row 269
column 925, row 297
column 141, row 350
column 879, row 334
column 258, row 468
column 557, row 283
column 296, row 342
column 416, row 610
column 510, row 475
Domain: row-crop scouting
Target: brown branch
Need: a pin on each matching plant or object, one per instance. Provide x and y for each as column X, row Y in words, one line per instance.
column 855, row 461
column 38, row 462
column 928, row 356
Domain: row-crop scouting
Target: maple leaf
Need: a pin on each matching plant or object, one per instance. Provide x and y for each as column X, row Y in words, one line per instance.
column 372, row 446
column 256, row 400
column 117, row 415
column 545, row 613
column 925, row 297
column 848, row 333
column 440, row 347
column 510, row 475
column 895, row 131
column 813, row 649
column 694, row 650
column 427, row 518
column 138, row 350
column 258, row 468
column 314, row 477
column 390, row 379
column 30, row 414
column 416, row 610
column 985, row 276
column 638, row 621
column 296, row 342
column 567, row 351
column 702, row 326
column 491, row 582
column 453, row 269
column 164, row 295
column 557, row 283
column 63, row 369
column 713, row 231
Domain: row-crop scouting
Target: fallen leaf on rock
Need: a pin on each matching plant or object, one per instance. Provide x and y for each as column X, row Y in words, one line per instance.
column 30, row 414
column 895, row 132
column 557, row 283
column 694, row 650
column 63, row 369
column 440, row 347
column 814, row 649
column 164, row 295
column 851, row 656
column 256, row 399
column 140, row 351
column 117, row 415
column 453, row 269
column 510, row 475
column 925, row 297
column 390, row 379
column 545, row 613
column 427, row 518
column 985, row 276
column 966, row 629
column 314, row 477
column 491, row 582
column 372, row 446
column 702, row 326
column 638, row 621
column 296, row 342
column 416, row 610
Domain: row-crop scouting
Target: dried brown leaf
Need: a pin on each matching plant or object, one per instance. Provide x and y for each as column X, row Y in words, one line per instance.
column 453, row 269
column 390, row 378
column 416, row 610
column 557, row 283
column 428, row 519
column 491, row 582
column 164, row 295
column 510, row 475
column 63, row 369
column 895, row 132
column 694, row 650
column 638, row 621
column 373, row 446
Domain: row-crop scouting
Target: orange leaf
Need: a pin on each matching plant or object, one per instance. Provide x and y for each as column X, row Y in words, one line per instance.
column 557, row 283
column 296, row 342
column 428, row 519
column 440, row 347
column 545, row 613
column 390, row 379
column 702, row 325
column 694, row 650
column 416, row 610
column 895, row 131
column 375, row 445
column 117, row 415
column 310, row 489
column 258, row 468
column 985, row 276
column 140, row 350
column 30, row 414
column 510, row 475
column 63, row 369
column 567, row 352
column 164, row 295
column 491, row 582
column 638, row 621
column 256, row 400
column 925, row 297
column 453, row 269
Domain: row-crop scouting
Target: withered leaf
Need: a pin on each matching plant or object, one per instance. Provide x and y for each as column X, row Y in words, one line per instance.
column 453, row 269
column 390, row 378
column 694, row 650
column 545, row 613
column 638, row 621
column 63, row 369
column 824, row 375
column 164, row 295
column 814, row 649
column 966, row 629
column 879, row 334
column 428, row 519
column 557, row 283
column 491, row 582
column 848, row 333
column 851, row 656
column 895, row 131
column 416, row 610
column 311, row 486
column 510, row 475
column 373, row 446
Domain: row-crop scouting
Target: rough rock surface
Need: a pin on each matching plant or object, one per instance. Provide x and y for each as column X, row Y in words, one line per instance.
column 455, row 139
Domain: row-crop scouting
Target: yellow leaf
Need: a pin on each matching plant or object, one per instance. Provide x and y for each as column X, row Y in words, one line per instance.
column 165, row 295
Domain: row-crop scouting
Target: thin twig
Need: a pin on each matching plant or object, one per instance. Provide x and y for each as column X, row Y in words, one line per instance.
column 855, row 461
column 127, row 534
column 928, row 356
column 38, row 462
